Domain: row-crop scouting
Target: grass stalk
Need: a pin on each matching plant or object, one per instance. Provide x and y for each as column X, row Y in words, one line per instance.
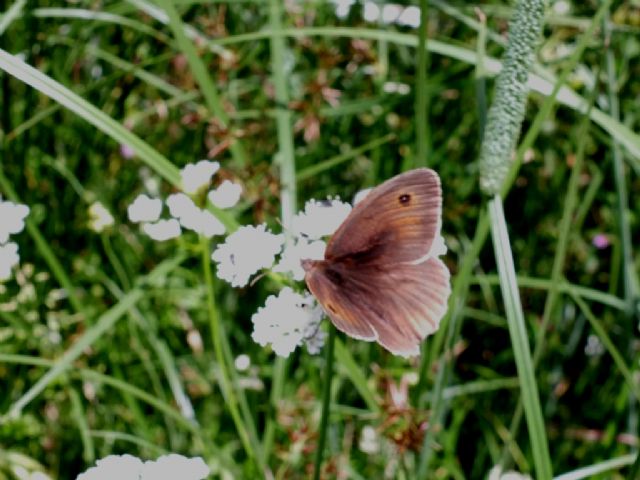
column 629, row 274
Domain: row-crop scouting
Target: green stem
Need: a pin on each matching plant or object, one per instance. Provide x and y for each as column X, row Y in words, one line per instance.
column 630, row 281
column 285, row 157
column 216, row 334
column 326, row 401
column 422, row 132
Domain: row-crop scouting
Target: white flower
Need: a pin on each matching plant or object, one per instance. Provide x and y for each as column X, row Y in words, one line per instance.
column 125, row 467
column 561, row 7
column 242, row 362
column 226, row 195
column 162, row 229
column 246, row 251
column 371, row 12
column 99, row 217
column 302, row 249
column 343, row 7
column 361, row 195
column 175, row 467
column 315, row 341
column 286, row 321
column 209, row 225
column 496, row 474
column 9, row 258
column 144, row 209
column 396, row 87
column 410, row 17
column 320, row 218
column 438, row 247
column 12, row 215
column 192, row 217
column 195, row 176
column 369, row 442
column 391, row 12
column 180, row 205
column 128, row 467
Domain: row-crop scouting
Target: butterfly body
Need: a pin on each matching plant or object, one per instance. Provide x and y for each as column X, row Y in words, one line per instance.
column 381, row 279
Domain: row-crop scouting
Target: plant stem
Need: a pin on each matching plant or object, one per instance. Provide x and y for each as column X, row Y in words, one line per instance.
column 216, row 334
column 326, row 401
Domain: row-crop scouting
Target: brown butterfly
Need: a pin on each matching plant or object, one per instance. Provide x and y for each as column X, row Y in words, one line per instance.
column 380, row 278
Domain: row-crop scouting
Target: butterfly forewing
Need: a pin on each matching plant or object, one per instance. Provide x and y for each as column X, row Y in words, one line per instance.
column 396, row 222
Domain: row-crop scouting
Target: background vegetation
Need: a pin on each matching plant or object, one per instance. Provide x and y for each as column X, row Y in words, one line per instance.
column 289, row 93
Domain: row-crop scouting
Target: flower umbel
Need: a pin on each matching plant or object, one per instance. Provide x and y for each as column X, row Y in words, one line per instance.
column 9, row 258
column 12, row 215
column 193, row 218
column 246, row 251
column 320, row 218
column 128, row 467
column 293, row 255
column 288, row 320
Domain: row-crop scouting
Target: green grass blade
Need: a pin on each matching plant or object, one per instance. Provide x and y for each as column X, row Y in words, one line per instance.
column 598, row 468
column 8, row 17
column 519, row 340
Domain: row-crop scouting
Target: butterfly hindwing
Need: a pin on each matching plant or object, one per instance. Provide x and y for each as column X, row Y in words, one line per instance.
column 396, row 306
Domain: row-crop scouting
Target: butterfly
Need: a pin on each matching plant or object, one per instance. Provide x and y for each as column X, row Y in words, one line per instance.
column 381, row 278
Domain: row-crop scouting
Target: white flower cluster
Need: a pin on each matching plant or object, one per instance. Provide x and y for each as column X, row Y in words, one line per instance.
column 250, row 249
column 184, row 212
column 99, row 217
column 128, row 467
column 406, row 16
column 12, row 217
column 288, row 319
